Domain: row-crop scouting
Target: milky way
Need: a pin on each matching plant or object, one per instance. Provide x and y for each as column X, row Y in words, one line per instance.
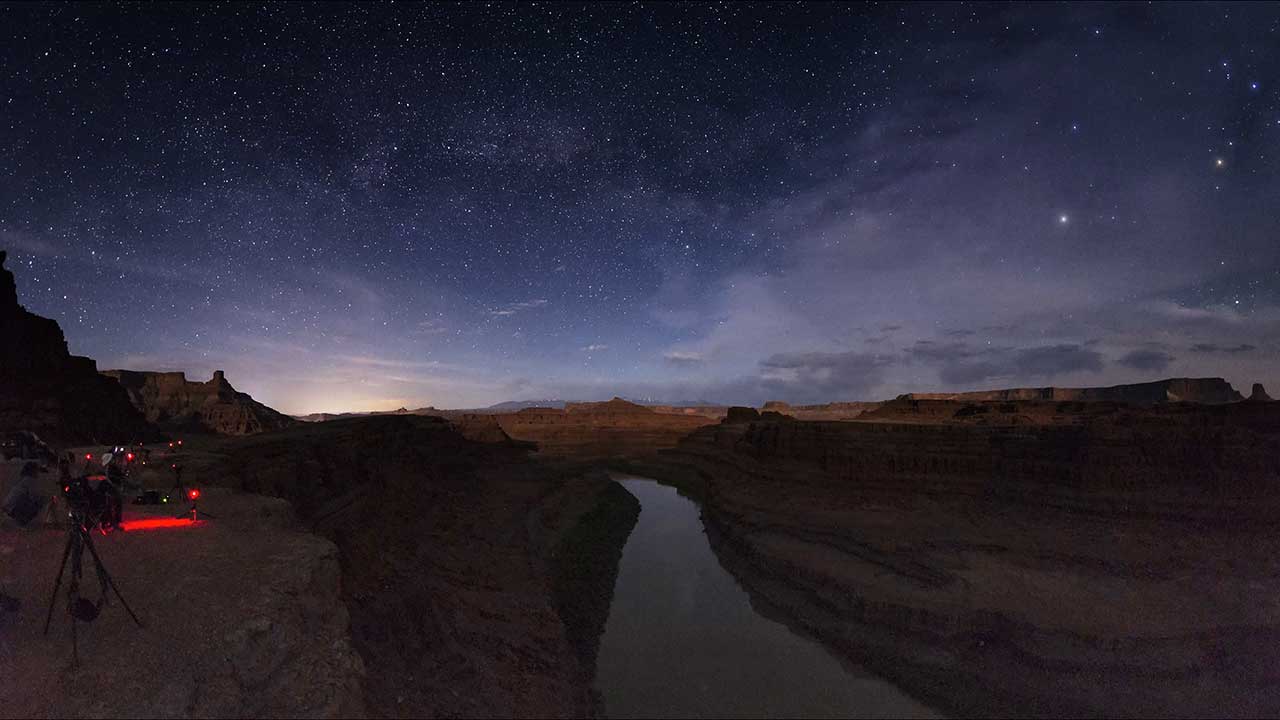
column 361, row 207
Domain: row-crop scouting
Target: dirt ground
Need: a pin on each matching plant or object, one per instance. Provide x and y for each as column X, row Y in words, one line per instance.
column 234, row 609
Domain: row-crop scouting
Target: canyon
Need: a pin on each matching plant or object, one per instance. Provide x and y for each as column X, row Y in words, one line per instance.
column 1027, row 551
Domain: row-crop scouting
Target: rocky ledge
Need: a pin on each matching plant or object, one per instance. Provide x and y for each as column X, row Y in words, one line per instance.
column 475, row 576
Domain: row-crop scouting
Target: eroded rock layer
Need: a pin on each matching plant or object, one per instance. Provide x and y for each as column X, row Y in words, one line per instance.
column 171, row 401
column 1124, row 564
column 604, row 429
column 1197, row 390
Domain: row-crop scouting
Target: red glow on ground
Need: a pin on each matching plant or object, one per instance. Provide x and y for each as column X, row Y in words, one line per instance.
column 155, row 523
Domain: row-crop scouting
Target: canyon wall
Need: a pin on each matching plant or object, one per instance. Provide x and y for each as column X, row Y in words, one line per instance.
column 1197, row 390
column 49, row 391
column 1124, row 563
column 456, row 556
column 172, row 402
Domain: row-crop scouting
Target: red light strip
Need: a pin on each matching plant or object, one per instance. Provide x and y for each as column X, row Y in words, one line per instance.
column 155, row 524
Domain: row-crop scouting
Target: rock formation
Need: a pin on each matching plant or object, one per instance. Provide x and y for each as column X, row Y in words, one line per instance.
column 599, row 429
column 825, row 411
column 1198, row 390
column 172, row 402
column 454, row 559
column 1259, row 394
column 47, row 390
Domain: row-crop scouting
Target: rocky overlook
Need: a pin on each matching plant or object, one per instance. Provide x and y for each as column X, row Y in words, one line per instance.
column 172, row 402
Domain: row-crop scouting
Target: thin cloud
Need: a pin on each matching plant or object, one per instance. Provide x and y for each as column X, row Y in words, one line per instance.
column 1232, row 350
column 514, row 308
column 682, row 357
column 1152, row 360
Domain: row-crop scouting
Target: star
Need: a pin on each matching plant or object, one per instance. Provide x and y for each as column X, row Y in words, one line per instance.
column 1063, row 219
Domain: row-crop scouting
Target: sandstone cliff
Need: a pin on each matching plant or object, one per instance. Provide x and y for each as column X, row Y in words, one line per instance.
column 47, row 390
column 169, row 400
column 825, row 411
column 1197, row 390
column 449, row 554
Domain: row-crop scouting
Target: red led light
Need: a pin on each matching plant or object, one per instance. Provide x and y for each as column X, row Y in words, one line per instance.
column 88, row 457
column 194, row 493
column 154, row 524
column 129, row 457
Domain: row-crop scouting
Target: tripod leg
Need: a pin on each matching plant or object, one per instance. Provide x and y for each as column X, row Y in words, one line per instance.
column 75, row 644
column 102, row 573
column 53, row 599
column 73, row 593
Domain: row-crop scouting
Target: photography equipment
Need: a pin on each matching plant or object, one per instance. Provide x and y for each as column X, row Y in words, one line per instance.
column 193, row 495
column 93, row 499
column 148, row 497
column 85, row 511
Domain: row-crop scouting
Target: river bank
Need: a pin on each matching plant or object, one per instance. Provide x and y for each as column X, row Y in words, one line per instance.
column 995, row 593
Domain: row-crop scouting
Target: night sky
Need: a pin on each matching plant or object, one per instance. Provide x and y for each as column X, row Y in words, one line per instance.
column 362, row 207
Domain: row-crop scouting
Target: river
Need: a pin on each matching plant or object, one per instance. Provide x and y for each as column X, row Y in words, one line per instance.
column 682, row 639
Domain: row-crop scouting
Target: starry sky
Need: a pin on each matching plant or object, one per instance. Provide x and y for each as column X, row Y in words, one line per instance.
column 360, row 207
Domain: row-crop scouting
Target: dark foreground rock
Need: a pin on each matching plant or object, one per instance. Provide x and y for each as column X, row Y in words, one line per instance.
column 1125, row 564
column 451, row 551
column 47, row 390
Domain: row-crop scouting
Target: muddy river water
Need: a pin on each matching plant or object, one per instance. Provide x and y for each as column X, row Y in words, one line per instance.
column 682, row 639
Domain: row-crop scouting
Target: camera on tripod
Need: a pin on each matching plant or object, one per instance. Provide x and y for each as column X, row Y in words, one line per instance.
column 90, row 500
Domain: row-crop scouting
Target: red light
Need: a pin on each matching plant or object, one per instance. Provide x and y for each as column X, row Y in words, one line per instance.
column 194, row 493
column 170, row 444
column 66, row 488
column 129, row 457
column 155, row 523
column 88, row 457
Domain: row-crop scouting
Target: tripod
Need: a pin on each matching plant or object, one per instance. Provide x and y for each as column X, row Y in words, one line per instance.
column 81, row 609
column 193, row 512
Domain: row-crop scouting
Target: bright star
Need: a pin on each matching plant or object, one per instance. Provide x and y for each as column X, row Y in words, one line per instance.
column 1062, row 219
column 1219, row 162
